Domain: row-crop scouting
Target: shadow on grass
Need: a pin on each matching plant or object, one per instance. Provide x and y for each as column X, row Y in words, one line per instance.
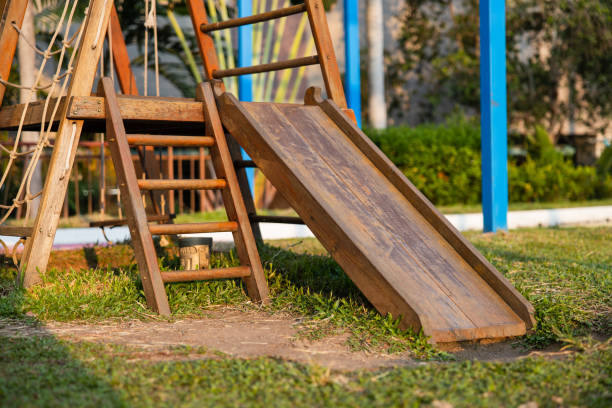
column 37, row 369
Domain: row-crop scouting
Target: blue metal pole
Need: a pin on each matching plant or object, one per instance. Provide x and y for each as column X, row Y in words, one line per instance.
column 493, row 115
column 245, row 59
column 352, row 74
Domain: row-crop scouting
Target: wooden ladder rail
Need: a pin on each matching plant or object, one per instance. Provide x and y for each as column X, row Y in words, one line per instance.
column 153, row 279
column 325, row 57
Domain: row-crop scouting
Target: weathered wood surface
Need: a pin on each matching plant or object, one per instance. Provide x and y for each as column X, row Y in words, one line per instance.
column 193, row 228
column 246, row 247
column 38, row 246
column 10, row 11
column 206, row 274
column 141, row 113
column 144, row 249
column 389, row 244
column 121, row 59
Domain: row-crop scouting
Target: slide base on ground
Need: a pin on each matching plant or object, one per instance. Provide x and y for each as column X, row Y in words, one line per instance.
column 401, row 253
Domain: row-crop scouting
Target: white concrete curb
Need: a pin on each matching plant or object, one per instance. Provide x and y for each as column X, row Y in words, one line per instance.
column 72, row 237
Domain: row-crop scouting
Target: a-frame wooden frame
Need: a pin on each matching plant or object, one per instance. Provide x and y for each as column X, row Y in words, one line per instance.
column 38, row 245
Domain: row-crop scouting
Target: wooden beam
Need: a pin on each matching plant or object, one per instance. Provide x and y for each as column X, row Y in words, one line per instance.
column 12, row 12
column 246, row 247
column 121, row 59
column 325, row 50
column 38, row 246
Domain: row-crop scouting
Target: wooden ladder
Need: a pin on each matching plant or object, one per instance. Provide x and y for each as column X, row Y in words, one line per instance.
column 131, row 187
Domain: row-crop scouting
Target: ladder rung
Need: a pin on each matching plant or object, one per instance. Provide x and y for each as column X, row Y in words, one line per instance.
column 276, row 219
column 165, row 140
column 193, row 228
column 206, row 274
column 244, row 163
column 124, row 221
column 273, row 66
column 11, row 231
column 257, row 18
column 211, row 184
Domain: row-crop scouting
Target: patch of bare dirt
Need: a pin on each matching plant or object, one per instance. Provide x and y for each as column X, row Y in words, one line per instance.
column 251, row 334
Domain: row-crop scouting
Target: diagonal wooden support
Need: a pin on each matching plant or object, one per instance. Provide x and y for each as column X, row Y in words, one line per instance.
column 233, row 200
column 11, row 12
column 38, row 246
column 144, row 248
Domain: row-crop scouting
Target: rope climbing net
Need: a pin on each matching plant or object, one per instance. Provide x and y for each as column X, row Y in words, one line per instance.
column 61, row 50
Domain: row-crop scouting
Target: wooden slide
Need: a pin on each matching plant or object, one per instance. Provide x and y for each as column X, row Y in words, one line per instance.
column 398, row 249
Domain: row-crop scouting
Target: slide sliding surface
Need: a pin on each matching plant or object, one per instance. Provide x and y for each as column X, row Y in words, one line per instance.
column 399, row 251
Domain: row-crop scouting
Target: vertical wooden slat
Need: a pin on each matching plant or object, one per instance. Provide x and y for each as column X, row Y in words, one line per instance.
column 38, row 246
column 13, row 11
column 144, row 248
column 234, row 203
column 180, row 192
column 204, row 204
column 170, row 170
column 325, row 49
column 121, row 59
column 192, row 192
column 77, row 204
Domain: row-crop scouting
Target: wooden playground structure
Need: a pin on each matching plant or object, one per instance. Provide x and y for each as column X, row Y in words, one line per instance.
column 389, row 239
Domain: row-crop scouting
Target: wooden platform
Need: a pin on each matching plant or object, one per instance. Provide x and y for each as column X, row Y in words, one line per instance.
column 402, row 254
column 142, row 114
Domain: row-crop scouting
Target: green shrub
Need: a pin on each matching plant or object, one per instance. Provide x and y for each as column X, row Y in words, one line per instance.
column 443, row 161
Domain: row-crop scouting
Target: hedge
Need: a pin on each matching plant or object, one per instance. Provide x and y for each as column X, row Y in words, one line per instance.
column 443, row 161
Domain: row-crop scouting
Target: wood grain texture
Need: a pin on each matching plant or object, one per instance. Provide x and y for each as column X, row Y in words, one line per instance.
column 91, row 108
column 184, row 184
column 12, row 11
column 205, row 41
column 121, row 59
column 14, row 231
column 38, row 246
column 325, row 51
column 393, row 252
column 257, row 18
column 206, row 274
column 244, row 240
column 144, row 249
column 193, row 228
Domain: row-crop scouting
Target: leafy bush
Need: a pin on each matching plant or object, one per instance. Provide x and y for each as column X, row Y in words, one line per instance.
column 443, row 161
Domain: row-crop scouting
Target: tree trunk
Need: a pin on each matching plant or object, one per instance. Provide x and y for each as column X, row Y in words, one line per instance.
column 377, row 109
column 27, row 76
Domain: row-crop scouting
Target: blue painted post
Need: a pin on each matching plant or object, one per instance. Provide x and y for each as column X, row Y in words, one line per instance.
column 493, row 115
column 245, row 59
column 352, row 78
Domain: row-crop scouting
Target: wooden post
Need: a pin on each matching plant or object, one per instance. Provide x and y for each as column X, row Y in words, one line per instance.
column 211, row 63
column 38, row 246
column 325, row 49
column 77, row 204
column 121, row 59
column 170, row 164
column 12, row 11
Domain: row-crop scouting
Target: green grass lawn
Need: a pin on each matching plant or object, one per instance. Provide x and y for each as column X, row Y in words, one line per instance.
column 566, row 273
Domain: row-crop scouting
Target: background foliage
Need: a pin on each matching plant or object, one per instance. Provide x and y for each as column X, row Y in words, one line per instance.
column 443, row 161
column 550, row 45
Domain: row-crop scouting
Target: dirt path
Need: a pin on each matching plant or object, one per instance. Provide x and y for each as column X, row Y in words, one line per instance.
column 248, row 335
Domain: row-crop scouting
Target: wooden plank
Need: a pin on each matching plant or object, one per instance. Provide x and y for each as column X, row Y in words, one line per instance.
column 144, row 249
column 38, row 246
column 185, row 184
column 206, row 274
column 488, row 272
column 277, row 219
column 246, row 248
column 92, row 108
column 145, row 108
column 257, row 18
column 121, row 59
column 12, row 11
column 327, row 179
column 13, row 231
column 272, row 66
column 193, row 228
column 325, row 50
